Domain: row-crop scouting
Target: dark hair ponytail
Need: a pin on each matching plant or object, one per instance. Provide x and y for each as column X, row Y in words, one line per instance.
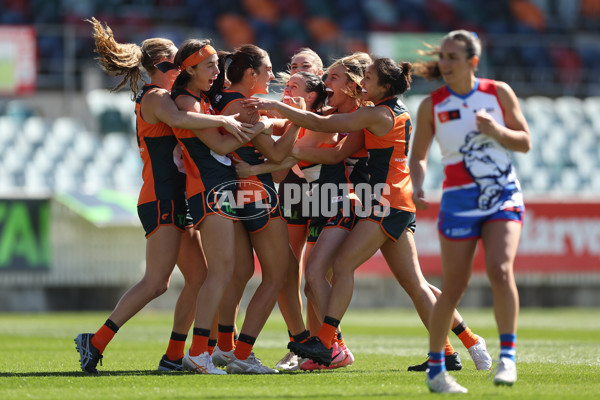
column 398, row 76
column 219, row 83
column 315, row 84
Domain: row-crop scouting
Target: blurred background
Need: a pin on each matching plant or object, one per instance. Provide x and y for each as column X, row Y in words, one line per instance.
column 70, row 170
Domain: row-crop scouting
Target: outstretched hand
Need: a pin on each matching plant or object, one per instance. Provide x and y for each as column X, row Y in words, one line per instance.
column 256, row 103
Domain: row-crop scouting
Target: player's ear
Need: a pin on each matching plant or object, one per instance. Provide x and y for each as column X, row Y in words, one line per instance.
column 474, row 61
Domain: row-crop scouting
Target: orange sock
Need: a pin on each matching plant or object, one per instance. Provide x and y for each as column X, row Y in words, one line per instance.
column 327, row 333
column 199, row 342
column 176, row 346
column 244, row 346
column 448, row 349
column 103, row 337
column 225, row 341
column 465, row 335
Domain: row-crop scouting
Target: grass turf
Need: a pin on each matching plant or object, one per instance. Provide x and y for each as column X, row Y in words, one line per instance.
column 558, row 353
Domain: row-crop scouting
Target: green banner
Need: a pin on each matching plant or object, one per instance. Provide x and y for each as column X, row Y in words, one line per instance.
column 103, row 208
column 24, row 230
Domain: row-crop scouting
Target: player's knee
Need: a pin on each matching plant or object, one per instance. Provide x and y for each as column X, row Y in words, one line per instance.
column 158, row 289
column 499, row 273
column 195, row 282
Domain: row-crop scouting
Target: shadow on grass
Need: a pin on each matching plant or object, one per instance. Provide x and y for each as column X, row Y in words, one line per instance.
column 155, row 372
column 85, row 374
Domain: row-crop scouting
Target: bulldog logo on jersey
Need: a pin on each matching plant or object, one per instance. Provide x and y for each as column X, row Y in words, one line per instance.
column 489, row 171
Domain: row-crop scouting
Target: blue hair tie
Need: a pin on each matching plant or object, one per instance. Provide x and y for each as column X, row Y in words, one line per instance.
column 475, row 35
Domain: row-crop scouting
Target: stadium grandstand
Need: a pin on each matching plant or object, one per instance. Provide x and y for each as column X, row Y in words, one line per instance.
column 65, row 137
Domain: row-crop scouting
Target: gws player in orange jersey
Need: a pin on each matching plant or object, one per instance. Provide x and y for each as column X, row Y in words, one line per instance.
column 210, row 182
column 310, row 89
column 389, row 222
column 161, row 207
column 249, row 71
column 476, row 122
column 327, row 229
column 304, row 60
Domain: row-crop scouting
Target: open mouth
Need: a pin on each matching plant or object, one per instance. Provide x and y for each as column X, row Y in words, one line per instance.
column 329, row 92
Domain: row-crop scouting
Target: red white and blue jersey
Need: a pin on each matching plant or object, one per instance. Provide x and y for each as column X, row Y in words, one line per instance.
column 479, row 175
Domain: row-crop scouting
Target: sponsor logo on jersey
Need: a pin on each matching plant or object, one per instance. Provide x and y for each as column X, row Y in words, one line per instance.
column 449, row 115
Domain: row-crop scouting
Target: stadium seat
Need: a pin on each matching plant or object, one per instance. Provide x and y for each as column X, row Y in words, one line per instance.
column 85, row 145
column 569, row 111
column 570, row 181
column 110, row 110
column 591, row 109
column 8, row 131
column 35, row 130
column 541, row 182
column 65, row 129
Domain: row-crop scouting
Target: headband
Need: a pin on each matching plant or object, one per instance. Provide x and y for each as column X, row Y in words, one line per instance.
column 197, row 57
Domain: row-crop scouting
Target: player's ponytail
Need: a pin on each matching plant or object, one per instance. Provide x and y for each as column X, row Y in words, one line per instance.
column 128, row 59
column 117, row 59
column 219, row 83
column 397, row 76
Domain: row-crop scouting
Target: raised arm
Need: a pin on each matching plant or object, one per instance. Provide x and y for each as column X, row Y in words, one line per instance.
column 217, row 142
column 277, row 151
column 330, row 155
column 421, row 141
column 344, row 122
column 158, row 106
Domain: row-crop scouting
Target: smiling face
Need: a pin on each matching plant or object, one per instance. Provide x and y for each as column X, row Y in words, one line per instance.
column 371, row 89
column 204, row 74
column 453, row 62
column 296, row 87
column 263, row 77
column 338, row 86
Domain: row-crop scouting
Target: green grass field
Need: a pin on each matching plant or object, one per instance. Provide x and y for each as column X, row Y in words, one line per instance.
column 558, row 352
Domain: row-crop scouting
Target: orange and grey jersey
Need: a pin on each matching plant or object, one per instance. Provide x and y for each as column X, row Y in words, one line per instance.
column 260, row 186
column 388, row 158
column 157, row 143
column 204, row 171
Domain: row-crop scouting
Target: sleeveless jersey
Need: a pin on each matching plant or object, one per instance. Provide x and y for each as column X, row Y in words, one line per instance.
column 257, row 184
column 157, row 144
column 473, row 162
column 388, row 154
column 204, row 172
column 322, row 173
column 356, row 164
